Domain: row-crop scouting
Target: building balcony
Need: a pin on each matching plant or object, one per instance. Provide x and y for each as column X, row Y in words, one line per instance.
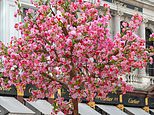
column 139, row 82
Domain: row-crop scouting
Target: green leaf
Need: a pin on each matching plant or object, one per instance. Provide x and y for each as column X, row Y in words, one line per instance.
column 99, row 24
column 73, row 41
column 1, row 75
column 97, row 86
column 43, row 59
column 60, row 24
column 32, row 78
column 55, row 106
column 151, row 39
column 5, row 51
column 77, row 82
column 112, row 61
column 26, row 25
column 19, row 5
column 66, row 5
column 100, row 66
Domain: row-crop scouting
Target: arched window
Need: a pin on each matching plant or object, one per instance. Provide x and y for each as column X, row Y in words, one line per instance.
column 150, row 67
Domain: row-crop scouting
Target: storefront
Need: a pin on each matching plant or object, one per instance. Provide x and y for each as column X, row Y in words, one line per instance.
column 136, row 103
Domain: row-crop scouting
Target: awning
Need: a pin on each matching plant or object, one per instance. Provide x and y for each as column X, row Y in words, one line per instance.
column 136, row 111
column 110, row 109
column 84, row 109
column 41, row 107
column 9, row 105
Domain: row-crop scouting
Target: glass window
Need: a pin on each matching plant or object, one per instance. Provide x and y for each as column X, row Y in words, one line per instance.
column 150, row 67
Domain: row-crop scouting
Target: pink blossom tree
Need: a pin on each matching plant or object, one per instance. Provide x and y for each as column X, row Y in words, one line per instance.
column 71, row 49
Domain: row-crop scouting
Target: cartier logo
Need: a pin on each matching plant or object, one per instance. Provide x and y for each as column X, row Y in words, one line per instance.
column 133, row 101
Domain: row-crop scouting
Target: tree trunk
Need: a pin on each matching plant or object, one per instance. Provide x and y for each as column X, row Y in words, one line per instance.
column 75, row 104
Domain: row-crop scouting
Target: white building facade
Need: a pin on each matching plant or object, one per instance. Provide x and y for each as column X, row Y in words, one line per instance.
column 121, row 10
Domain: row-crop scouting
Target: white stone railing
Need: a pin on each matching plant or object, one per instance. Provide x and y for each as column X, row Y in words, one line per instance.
column 133, row 78
column 139, row 82
column 152, row 80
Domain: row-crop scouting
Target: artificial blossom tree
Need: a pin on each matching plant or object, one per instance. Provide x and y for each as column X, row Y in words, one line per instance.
column 71, row 49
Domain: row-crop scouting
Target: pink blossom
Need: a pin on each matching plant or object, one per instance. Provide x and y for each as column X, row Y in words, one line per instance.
column 151, row 60
column 152, row 35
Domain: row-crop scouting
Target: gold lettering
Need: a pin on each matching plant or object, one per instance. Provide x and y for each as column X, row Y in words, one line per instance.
column 133, row 101
column 108, row 99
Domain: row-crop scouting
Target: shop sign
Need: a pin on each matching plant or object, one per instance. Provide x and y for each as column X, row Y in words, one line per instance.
column 111, row 98
column 65, row 93
column 12, row 91
column 131, row 100
column 28, row 89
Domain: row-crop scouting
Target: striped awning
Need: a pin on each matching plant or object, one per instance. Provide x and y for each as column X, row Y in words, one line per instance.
column 136, row 111
column 152, row 111
column 111, row 109
column 84, row 109
column 41, row 107
column 11, row 106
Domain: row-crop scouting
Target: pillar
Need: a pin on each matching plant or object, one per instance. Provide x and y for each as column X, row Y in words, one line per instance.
column 142, row 72
column 117, row 16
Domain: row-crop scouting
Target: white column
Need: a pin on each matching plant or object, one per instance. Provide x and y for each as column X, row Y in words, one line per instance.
column 117, row 16
column 116, row 24
column 110, row 26
column 142, row 30
column 142, row 72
